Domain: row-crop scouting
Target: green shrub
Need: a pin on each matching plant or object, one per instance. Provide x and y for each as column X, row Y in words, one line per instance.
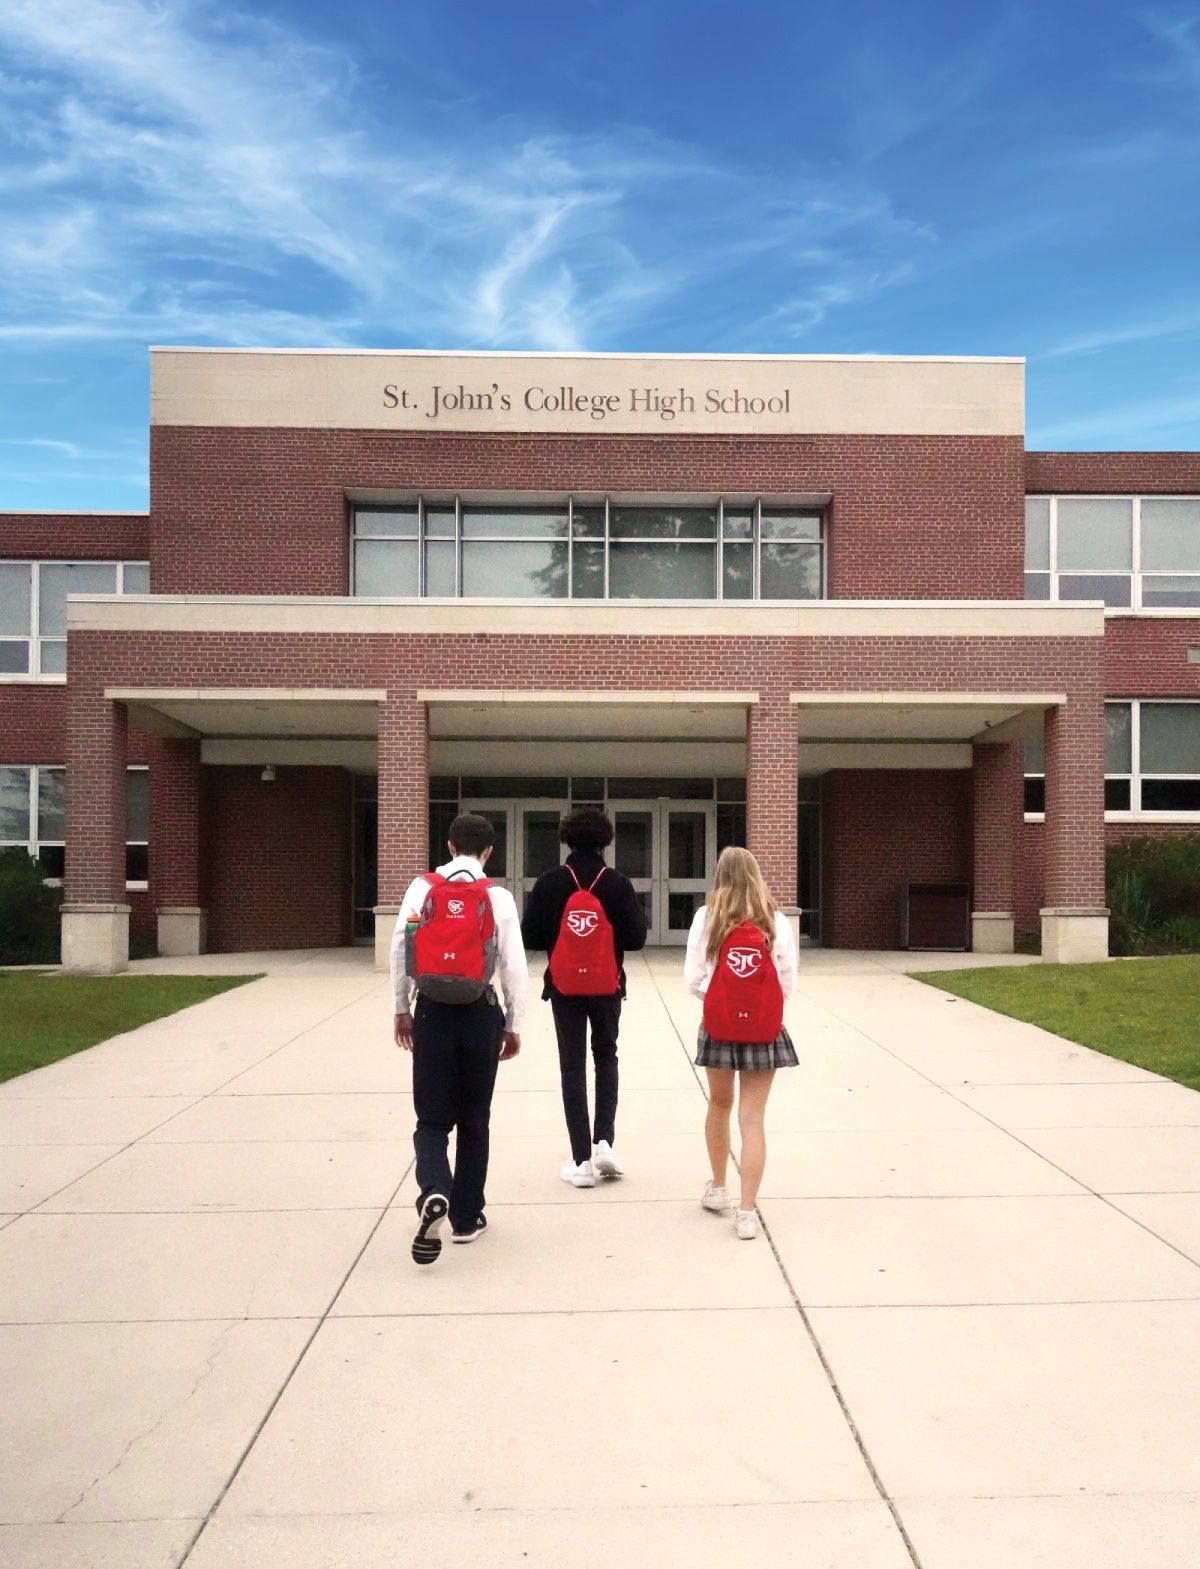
column 29, row 911
column 1153, row 891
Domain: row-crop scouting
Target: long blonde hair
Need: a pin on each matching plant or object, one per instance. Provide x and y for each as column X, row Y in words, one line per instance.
column 738, row 894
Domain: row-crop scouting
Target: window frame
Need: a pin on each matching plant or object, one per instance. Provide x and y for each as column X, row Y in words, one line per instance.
column 35, row 673
column 1135, row 812
column 755, row 507
column 1136, row 607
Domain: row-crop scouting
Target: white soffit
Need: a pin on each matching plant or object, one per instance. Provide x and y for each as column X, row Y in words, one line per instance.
column 230, row 712
column 609, row 721
column 918, row 716
column 587, row 394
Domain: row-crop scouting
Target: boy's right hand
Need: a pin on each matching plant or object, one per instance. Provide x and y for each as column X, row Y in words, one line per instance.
column 403, row 1031
column 510, row 1045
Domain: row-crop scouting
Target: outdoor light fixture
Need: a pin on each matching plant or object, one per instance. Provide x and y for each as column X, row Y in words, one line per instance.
column 268, row 774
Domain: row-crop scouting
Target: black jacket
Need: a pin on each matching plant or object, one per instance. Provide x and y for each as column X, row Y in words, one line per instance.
column 544, row 912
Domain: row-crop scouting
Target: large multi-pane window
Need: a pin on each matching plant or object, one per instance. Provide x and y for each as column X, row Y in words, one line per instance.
column 1133, row 552
column 33, row 608
column 1151, row 760
column 33, row 817
column 589, row 550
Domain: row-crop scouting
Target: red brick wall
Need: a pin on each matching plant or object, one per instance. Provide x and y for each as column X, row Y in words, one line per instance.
column 1097, row 473
column 881, row 829
column 75, row 536
column 264, row 511
column 277, row 867
column 1147, row 656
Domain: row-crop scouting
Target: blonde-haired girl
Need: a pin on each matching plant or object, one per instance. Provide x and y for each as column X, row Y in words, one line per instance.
column 739, row 895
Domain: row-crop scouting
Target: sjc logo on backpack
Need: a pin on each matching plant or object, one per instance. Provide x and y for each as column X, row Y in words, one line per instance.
column 451, row 952
column 744, row 1001
column 583, row 961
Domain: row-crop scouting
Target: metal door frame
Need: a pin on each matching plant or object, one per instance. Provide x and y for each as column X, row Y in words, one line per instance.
column 661, row 884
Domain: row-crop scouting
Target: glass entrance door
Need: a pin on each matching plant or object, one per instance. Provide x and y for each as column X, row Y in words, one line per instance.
column 538, row 845
column 667, row 849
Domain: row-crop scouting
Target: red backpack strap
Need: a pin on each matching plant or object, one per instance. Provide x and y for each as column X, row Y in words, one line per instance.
column 595, row 880
column 574, row 879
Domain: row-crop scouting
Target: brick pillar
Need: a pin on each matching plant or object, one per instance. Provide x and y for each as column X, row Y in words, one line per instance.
column 403, row 808
column 998, row 779
column 175, row 848
column 771, row 765
column 1075, row 920
column 95, row 916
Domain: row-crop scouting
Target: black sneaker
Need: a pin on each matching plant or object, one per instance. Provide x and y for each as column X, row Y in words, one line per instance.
column 471, row 1232
column 427, row 1244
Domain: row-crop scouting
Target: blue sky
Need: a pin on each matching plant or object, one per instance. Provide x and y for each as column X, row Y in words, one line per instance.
column 605, row 174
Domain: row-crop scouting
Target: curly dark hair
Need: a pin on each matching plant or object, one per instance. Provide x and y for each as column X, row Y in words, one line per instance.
column 586, row 828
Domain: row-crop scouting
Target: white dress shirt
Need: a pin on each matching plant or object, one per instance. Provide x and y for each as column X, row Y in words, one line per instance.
column 511, row 967
column 698, row 970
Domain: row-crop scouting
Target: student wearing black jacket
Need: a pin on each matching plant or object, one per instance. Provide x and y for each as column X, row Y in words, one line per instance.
column 585, row 833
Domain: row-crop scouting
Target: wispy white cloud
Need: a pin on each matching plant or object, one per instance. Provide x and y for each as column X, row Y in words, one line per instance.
column 171, row 171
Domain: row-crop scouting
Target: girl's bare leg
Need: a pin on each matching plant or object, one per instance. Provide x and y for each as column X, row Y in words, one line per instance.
column 752, row 1104
column 716, row 1123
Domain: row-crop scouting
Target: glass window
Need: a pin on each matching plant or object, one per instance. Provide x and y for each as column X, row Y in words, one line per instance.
column 14, row 656
column 661, row 571
column 1170, row 739
column 385, row 569
column 789, row 571
column 1163, row 592
column 1170, row 534
column 662, row 522
column 1113, row 590
column 137, row 805
column 443, row 787
column 439, row 522
column 392, row 523
column 1095, row 534
column 441, row 571
column 514, row 523
column 588, row 521
column 587, row 580
column 1035, row 753
column 496, row 786
column 1118, row 738
column 16, row 598
column 651, row 789
column 512, row 569
column 14, row 806
column 587, row 788
column 135, row 577
column 52, row 803
column 737, row 570
column 739, row 524
column 1037, row 533
column 791, row 525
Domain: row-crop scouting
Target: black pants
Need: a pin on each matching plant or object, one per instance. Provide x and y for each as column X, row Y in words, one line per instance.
column 456, row 1049
column 572, row 1015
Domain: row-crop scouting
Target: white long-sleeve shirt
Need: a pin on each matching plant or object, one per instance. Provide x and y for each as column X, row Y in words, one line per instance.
column 698, row 970
column 511, row 967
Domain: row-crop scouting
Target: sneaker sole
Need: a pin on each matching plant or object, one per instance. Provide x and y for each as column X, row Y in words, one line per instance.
column 605, row 1169
column 427, row 1244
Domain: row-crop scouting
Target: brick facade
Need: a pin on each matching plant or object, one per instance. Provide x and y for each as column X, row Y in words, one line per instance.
column 266, row 512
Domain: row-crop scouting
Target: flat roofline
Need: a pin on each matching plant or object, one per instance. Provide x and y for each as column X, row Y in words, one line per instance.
column 67, row 512
column 601, row 354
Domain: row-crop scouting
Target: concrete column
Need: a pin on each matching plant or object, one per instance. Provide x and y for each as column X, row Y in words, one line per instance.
column 95, row 916
column 1075, row 919
column 997, row 778
column 771, row 767
column 403, row 808
column 175, row 848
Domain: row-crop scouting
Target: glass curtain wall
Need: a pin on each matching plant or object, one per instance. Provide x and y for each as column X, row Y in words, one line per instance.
column 588, row 550
column 1151, row 761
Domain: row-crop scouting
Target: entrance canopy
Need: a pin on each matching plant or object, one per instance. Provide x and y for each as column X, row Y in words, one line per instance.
column 910, row 729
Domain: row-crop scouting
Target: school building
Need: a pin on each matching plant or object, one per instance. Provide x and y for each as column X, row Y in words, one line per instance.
column 827, row 607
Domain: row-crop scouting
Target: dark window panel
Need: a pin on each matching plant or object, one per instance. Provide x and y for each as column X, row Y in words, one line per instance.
column 1171, row 795
column 1116, row 795
column 1035, row 794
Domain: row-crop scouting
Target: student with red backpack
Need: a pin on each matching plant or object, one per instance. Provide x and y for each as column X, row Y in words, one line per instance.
column 455, row 930
column 586, row 916
column 742, row 960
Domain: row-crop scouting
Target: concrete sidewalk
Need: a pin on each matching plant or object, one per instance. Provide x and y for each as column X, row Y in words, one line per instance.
column 967, row 1340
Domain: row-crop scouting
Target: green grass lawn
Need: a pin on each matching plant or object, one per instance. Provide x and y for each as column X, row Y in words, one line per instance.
column 45, row 1015
column 1144, row 1011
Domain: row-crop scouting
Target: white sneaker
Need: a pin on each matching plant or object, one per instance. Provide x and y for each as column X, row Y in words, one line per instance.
column 580, row 1176
column 716, row 1199
column 746, row 1224
column 605, row 1162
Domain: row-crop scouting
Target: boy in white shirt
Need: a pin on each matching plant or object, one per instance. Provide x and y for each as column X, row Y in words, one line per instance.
column 456, row 1048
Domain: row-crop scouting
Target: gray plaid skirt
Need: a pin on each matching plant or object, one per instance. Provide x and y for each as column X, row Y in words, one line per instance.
column 779, row 1053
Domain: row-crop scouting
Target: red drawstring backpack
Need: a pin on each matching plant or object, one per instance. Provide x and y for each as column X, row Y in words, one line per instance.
column 744, row 1000
column 583, row 962
column 451, row 951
